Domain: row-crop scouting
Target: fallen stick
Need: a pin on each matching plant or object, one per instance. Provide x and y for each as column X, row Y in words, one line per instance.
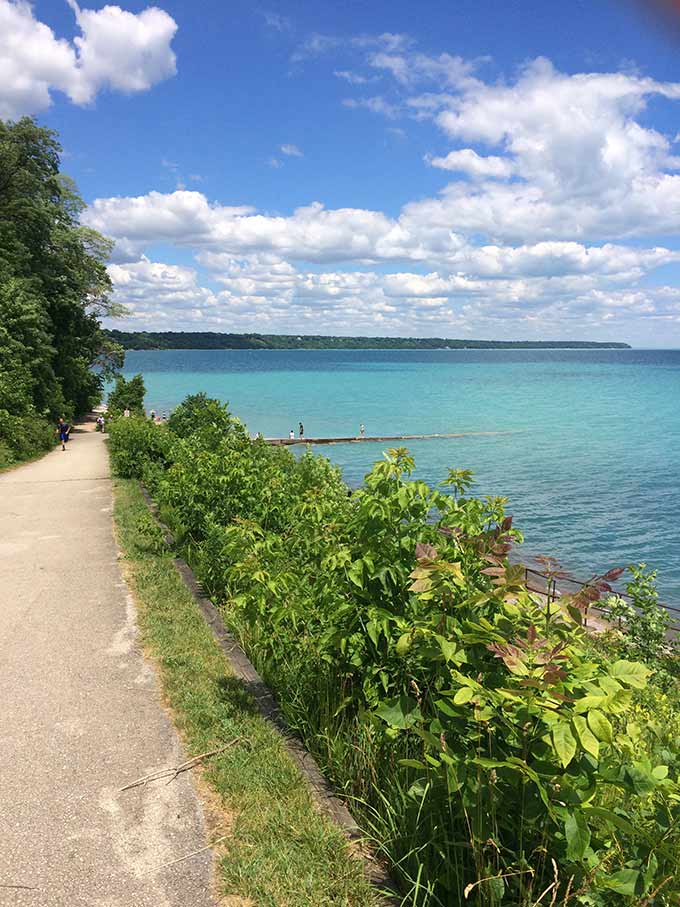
column 25, row 887
column 186, row 856
column 172, row 773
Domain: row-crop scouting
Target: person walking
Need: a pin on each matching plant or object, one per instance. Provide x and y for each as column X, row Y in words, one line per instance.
column 63, row 430
column 301, row 432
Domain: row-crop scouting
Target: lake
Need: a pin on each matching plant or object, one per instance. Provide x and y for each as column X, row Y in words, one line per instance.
column 587, row 443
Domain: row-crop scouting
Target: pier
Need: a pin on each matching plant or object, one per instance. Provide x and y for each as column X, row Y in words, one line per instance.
column 359, row 439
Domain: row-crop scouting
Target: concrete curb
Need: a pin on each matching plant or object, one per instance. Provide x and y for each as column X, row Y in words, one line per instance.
column 322, row 792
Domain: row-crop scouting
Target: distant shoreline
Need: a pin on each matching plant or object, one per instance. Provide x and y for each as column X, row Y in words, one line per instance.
column 181, row 340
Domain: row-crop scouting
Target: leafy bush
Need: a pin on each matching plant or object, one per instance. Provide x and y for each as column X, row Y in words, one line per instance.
column 136, row 444
column 22, row 437
column 492, row 763
column 127, row 395
column 200, row 415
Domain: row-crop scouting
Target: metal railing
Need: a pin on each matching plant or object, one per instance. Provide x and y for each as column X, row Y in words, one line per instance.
column 547, row 585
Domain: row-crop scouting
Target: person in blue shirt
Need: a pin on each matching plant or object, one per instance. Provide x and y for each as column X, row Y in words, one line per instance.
column 63, row 430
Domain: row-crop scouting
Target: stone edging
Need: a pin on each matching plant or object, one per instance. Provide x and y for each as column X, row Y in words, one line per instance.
column 322, row 793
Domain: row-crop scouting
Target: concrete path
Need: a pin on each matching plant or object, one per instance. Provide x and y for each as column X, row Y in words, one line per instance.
column 80, row 712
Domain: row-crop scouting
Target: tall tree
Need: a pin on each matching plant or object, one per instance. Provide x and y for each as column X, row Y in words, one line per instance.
column 54, row 287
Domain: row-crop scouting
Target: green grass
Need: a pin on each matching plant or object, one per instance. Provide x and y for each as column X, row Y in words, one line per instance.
column 279, row 851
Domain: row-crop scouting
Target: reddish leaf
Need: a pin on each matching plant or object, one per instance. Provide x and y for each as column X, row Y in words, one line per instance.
column 493, row 571
column 425, row 552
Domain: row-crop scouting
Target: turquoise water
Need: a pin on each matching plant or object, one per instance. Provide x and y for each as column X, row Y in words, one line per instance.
column 587, row 448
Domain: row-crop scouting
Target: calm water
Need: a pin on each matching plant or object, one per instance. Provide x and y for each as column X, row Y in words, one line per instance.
column 588, row 449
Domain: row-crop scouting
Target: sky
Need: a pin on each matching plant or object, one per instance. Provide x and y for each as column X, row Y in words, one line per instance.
column 463, row 169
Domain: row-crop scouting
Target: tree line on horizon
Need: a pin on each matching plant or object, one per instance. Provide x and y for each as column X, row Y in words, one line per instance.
column 212, row 340
column 54, row 355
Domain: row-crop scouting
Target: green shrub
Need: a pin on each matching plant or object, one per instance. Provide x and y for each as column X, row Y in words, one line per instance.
column 127, row 395
column 135, row 443
column 23, row 437
column 200, row 415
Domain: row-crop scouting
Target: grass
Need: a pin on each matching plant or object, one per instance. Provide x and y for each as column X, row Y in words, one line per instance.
column 279, row 851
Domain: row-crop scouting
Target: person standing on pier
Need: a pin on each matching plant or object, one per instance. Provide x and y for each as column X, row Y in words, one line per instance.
column 291, row 435
column 362, row 430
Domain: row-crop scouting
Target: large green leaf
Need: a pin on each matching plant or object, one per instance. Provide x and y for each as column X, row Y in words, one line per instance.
column 588, row 740
column 632, row 673
column 623, row 881
column 401, row 712
column 404, row 643
column 600, row 725
column 463, row 695
column 577, row 834
column 564, row 743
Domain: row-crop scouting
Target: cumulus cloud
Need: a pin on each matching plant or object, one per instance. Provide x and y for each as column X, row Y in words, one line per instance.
column 582, row 163
column 264, row 292
column 314, row 233
column 116, row 49
column 553, row 182
column 468, row 161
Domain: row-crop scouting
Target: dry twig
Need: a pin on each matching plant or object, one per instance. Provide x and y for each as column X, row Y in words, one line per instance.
column 172, row 773
column 186, row 856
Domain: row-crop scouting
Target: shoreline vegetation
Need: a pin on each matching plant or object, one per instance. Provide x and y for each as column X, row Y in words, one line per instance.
column 494, row 751
column 207, row 340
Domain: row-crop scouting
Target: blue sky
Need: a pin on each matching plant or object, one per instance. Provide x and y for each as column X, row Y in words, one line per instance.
column 468, row 169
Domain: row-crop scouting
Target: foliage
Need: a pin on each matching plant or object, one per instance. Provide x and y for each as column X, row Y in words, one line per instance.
column 53, row 291
column 644, row 626
column 136, row 445
column 127, row 394
column 198, row 415
column 22, row 437
column 210, row 340
column 493, row 763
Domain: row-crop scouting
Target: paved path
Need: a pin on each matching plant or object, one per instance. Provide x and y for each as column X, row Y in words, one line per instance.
column 80, row 712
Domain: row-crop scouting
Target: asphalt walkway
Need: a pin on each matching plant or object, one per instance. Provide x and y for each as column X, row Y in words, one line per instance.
column 80, row 711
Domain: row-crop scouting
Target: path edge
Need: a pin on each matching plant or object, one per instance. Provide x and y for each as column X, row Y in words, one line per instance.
column 324, row 797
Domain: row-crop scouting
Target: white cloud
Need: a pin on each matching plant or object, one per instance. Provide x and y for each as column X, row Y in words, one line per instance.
column 313, row 233
column 354, row 78
column 276, row 21
column 375, row 104
column 291, row 151
column 556, row 176
column 411, row 68
column 317, row 44
column 468, row 161
column 264, row 292
column 116, row 49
